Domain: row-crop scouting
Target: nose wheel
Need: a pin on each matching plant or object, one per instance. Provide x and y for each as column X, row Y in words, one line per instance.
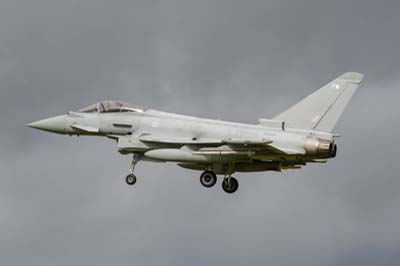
column 131, row 177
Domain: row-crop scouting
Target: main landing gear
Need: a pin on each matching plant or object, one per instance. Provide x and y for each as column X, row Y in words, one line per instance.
column 229, row 184
column 131, row 178
column 208, row 178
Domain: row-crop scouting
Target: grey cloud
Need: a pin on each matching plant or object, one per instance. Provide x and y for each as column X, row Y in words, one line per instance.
column 63, row 200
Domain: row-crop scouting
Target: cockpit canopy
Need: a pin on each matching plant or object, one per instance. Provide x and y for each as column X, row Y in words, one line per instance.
column 111, row 107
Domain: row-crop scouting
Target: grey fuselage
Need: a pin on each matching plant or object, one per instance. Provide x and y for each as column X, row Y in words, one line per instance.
column 161, row 136
column 296, row 136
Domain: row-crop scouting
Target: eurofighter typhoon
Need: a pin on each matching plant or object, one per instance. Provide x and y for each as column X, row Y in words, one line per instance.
column 299, row 135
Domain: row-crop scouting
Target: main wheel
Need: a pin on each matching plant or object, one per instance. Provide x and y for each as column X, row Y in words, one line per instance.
column 208, row 178
column 130, row 179
column 230, row 185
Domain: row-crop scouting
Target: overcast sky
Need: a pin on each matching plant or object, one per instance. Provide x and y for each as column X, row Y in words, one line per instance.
column 64, row 201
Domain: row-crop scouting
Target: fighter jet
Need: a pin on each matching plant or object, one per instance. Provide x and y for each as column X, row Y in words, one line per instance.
column 299, row 135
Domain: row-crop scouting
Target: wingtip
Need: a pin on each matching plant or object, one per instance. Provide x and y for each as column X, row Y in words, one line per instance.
column 354, row 77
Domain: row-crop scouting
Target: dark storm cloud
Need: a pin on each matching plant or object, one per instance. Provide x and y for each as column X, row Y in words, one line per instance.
column 63, row 200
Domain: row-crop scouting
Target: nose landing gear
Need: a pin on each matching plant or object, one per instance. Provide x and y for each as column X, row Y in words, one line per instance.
column 131, row 177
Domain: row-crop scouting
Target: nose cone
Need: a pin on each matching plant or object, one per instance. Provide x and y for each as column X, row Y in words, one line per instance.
column 54, row 124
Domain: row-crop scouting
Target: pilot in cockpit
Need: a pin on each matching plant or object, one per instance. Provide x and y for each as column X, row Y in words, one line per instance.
column 111, row 107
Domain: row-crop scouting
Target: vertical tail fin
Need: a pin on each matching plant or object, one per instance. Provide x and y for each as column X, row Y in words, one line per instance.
column 322, row 109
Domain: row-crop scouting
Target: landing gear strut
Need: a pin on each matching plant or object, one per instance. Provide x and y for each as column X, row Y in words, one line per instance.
column 208, row 178
column 131, row 178
column 230, row 184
